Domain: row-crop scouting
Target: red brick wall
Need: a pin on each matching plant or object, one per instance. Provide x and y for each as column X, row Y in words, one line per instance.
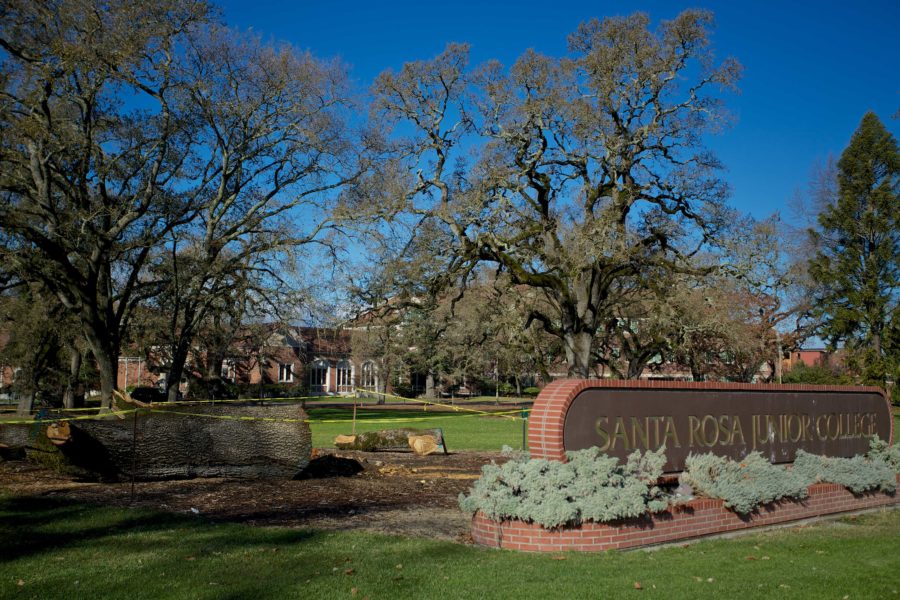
column 134, row 372
column 698, row 518
column 545, row 426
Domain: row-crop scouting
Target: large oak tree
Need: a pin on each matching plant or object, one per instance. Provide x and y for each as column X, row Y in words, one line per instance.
column 586, row 170
column 92, row 152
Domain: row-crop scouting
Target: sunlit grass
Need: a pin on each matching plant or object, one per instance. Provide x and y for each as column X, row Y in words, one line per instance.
column 462, row 430
column 59, row 550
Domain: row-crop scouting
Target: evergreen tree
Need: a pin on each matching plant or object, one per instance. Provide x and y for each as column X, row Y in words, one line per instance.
column 857, row 263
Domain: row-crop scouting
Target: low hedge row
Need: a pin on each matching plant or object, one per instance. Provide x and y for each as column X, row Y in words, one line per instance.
column 594, row 487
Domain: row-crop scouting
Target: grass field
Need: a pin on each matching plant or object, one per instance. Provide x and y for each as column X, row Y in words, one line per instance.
column 57, row 550
column 462, row 431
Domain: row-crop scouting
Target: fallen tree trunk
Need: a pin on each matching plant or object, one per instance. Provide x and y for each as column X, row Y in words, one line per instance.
column 221, row 440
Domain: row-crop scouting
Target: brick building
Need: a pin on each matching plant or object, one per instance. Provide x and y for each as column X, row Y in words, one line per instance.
column 314, row 361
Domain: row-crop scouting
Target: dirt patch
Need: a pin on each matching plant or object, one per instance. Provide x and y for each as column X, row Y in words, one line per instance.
column 395, row 493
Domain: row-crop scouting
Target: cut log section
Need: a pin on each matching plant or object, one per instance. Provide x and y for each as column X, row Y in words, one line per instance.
column 344, row 440
column 423, row 445
column 392, row 439
column 59, row 433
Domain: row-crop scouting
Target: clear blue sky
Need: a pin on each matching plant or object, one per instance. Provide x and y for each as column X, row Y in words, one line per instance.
column 812, row 69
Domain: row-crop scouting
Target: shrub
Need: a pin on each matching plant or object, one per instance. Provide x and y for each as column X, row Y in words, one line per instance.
column 270, row 390
column 742, row 485
column 817, row 374
column 531, row 391
column 857, row 474
column 881, row 450
column 506, row 389
column 590, row 487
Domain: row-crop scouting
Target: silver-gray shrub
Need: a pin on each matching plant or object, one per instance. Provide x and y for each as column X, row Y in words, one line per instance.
column 589, row 487
column 889, row 453
column 858, row 474
column 743, row 485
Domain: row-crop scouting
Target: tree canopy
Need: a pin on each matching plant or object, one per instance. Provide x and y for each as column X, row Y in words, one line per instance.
column 857, row 263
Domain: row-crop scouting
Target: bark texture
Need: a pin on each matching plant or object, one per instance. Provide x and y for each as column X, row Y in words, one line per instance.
column 163, row 445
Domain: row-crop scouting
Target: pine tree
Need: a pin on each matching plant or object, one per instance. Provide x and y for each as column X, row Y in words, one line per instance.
column 857, row 263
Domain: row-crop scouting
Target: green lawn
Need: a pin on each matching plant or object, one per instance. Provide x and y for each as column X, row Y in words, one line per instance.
column 462, row 431
column 50, row 549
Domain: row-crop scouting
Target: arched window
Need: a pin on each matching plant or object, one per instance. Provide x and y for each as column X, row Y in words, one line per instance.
column 318, row 376
column 368, row 380
column 344, row 377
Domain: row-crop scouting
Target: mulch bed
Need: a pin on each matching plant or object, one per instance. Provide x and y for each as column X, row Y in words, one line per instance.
column 387, row 492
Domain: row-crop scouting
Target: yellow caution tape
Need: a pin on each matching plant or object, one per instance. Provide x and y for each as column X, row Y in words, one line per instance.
column 313, row 421
column 237, row 400
column 56, row 419
column 452, row 407
column 52, row 419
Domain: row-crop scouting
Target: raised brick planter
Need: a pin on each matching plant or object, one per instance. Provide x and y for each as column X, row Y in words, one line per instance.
column 698, row 518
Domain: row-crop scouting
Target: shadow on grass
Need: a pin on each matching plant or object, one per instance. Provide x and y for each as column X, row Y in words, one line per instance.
column 30, row 526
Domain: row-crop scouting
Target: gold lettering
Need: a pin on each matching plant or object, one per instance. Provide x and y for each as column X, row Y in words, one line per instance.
column 791, row 420
column 771, row 427
column 694, row 428
column 656, row 439
column 724, row 430
column 844, row 422
column 712, row 438
column 736, row 431
column 806, row 424
column 638, row 433
column 829, row 419
column 819, row 428
column 754, row 429
column 601, row 431
column 671, row 432
column 620, row 433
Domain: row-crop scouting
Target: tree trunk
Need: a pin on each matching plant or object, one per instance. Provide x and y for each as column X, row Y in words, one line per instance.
column 26, row 403
column 107, row 364
column 636, row 368
column 578, row 354
column 178, row 446
column 176, row 368
column 429, row 385
column 74, row 372
column 105, row 349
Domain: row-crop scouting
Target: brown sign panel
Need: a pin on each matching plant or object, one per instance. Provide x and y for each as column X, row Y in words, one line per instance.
column 731, row 423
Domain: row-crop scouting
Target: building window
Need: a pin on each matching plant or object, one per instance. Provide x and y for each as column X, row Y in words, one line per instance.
column 228, row 370
column 367, row 380
column 318, row 376
column 344, row 376
column 285, row 373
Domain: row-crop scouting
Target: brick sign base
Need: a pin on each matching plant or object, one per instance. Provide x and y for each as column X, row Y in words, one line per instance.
column 697, row 518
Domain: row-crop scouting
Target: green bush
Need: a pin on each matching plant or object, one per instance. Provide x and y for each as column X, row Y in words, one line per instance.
column 881, row 450
column 531, row 391
column 743, row 485
column 590, row 487
column 816, row 375
column 270, row 390
column 506, row 389
column 858, row 474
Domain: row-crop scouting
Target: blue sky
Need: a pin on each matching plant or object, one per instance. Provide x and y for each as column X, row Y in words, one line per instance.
column 812, row 69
